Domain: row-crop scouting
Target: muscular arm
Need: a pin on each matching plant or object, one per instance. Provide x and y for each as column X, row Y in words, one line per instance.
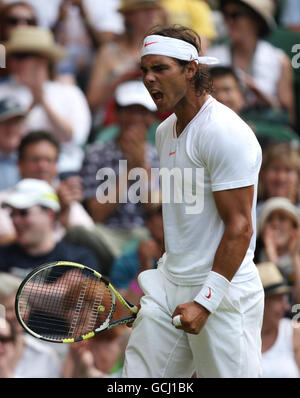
column 234, row 207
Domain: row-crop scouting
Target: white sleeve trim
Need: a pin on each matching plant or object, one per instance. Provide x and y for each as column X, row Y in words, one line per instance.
column 234, row 184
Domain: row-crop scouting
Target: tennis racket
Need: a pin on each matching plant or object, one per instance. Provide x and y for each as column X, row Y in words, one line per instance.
column 66, row 302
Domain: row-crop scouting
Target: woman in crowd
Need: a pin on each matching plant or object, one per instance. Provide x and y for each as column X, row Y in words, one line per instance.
column 279, row 174
column 265, row 70
column 58, row 108
column 280, row 340
column 279, row 240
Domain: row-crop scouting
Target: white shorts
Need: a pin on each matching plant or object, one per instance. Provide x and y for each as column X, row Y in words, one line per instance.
column 229, row 345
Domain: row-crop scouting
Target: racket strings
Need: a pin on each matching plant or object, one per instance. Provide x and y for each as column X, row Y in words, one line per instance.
column 64, row 305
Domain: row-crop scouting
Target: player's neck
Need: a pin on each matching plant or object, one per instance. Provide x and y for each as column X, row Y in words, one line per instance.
column 187, row 109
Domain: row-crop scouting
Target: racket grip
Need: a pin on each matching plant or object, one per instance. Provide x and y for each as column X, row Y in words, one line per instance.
column 176, row 321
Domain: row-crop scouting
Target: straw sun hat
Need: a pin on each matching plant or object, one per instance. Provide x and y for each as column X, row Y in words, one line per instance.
column 33, row 39
column 272, row 280
column 263, row 8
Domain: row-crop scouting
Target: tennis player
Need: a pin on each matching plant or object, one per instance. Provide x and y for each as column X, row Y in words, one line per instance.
column 202, row 307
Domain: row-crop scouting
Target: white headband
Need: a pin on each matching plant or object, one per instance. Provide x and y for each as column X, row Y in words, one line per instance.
column 175, row 48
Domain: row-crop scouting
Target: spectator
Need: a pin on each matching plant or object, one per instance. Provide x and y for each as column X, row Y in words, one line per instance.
column 264, row 69
column 75, row 30
column 279, row 174
column 121, row 221
column 119, row 61
column 278, row 240
column 270, row 127
column 135, row 92
column 280, row 340
column 58, row 108
column 12, row 128
column 37, row 158
column 46, row 11
column 22, row 356
column 15, row 14
column 12, row 15
column 227, row 88
column 33, row 206
column 126, row 269
column 38, row 155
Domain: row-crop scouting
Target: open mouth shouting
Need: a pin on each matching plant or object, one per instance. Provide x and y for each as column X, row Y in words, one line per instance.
column 157, row 96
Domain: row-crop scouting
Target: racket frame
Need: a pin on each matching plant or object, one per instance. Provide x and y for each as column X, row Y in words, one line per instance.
column 104, row 326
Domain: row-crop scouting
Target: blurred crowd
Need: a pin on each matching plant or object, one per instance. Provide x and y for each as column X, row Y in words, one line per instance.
column 72, row 103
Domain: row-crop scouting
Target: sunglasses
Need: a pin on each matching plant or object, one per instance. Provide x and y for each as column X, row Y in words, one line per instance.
column 6, row 339
column 22, row 56
column 24, row 212
column 14, row 21
column 234, row 15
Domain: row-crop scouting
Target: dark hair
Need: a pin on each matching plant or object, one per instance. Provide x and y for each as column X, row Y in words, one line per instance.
column 201, row 79
column 220, row 71
column 36, row 137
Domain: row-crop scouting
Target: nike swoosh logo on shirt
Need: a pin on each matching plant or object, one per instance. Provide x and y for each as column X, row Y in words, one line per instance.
column 172, row 153
column 209, row 293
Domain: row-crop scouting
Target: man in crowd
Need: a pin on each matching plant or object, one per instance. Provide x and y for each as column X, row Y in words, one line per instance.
column 33, row 206
column 120, row 220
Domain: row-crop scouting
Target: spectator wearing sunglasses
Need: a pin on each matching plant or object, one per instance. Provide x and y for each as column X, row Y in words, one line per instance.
column 33, row 206
column 265, row 70
column 53, row 106
column 13, row 15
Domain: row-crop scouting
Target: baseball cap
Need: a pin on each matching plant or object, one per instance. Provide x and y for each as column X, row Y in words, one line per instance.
column 10, row 108
column 134, row 93
column 30, row 192
column 272, row 280
column 274, row 204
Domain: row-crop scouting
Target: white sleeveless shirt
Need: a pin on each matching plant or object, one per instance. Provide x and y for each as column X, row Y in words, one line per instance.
column 278, row 361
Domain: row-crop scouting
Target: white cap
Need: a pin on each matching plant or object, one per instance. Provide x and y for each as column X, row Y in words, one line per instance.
column 277, row 203
column 30, row 192
column 134, row 93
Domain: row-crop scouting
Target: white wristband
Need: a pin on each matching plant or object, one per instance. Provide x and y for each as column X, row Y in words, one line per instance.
column 213, row 291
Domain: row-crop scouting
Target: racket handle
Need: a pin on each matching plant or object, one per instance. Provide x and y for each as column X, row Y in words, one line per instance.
column 176, row 321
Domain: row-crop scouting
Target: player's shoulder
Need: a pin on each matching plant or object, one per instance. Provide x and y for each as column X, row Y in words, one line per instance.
column 221, row 120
